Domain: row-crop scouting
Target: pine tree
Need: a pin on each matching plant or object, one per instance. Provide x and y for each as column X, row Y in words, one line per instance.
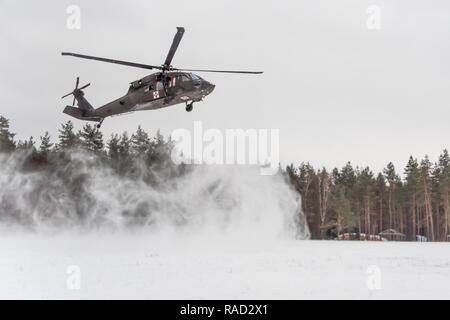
column 91, row 138
column 6, row 137
column 412, row 177
column 443, row 177
column 324, row 186
column 347, row 177
column 124, row 146
column 26, row 144
column 380, row 198
column 67, row 137
column 140, row 143
column 436, row 202
column 392, row 178
column 46, row 145
column 113, row 147
column 425, row 176
column 364, row 189
column 341, row 211
column 306, row 176
column 160, row 151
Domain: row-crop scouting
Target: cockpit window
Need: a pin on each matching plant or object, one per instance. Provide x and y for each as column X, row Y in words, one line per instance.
column 184, row 77
column 159, row 85
column 195, row 77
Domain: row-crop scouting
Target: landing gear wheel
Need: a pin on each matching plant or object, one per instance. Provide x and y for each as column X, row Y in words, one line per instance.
column 100, row 124
column 189, row 106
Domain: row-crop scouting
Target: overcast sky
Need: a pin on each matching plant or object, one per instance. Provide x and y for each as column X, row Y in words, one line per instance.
column 337, row 90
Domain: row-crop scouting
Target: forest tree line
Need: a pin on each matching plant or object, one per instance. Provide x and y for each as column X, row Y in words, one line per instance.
column 356, row 200
column 351, row 199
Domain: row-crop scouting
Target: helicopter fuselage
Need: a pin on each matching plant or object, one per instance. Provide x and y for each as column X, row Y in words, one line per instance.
column 155, row 92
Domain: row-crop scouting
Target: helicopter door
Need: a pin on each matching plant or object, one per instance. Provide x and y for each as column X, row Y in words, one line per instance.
column 158, row 92
column 159, row 85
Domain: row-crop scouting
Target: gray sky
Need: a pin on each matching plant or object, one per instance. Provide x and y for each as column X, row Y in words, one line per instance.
column 337, row 90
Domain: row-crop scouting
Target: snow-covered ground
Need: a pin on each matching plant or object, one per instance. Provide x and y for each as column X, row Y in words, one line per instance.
column 217, row 232
column 144, row 267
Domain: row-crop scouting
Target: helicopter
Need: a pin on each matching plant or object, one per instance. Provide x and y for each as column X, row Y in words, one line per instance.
column 167, row 87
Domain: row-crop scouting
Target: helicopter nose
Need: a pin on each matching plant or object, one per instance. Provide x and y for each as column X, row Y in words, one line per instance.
column 209, row 87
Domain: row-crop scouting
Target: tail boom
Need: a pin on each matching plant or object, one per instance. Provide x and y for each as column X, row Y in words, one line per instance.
column 81, row 114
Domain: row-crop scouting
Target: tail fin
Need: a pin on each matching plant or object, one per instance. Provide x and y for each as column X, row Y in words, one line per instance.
column 85, row 109
column 81, row 100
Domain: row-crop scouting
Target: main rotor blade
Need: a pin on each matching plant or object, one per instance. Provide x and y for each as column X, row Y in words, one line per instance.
column 125, row 63
column 221, row 71
column 174, row 46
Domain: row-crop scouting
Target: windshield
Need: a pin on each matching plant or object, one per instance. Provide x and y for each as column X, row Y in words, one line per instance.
column 195, row 77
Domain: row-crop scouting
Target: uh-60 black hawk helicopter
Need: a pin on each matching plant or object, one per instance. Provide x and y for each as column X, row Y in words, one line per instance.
column 167, row 87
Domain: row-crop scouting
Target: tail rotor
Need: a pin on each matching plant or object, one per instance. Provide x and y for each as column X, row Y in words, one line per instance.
column 76, row 90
